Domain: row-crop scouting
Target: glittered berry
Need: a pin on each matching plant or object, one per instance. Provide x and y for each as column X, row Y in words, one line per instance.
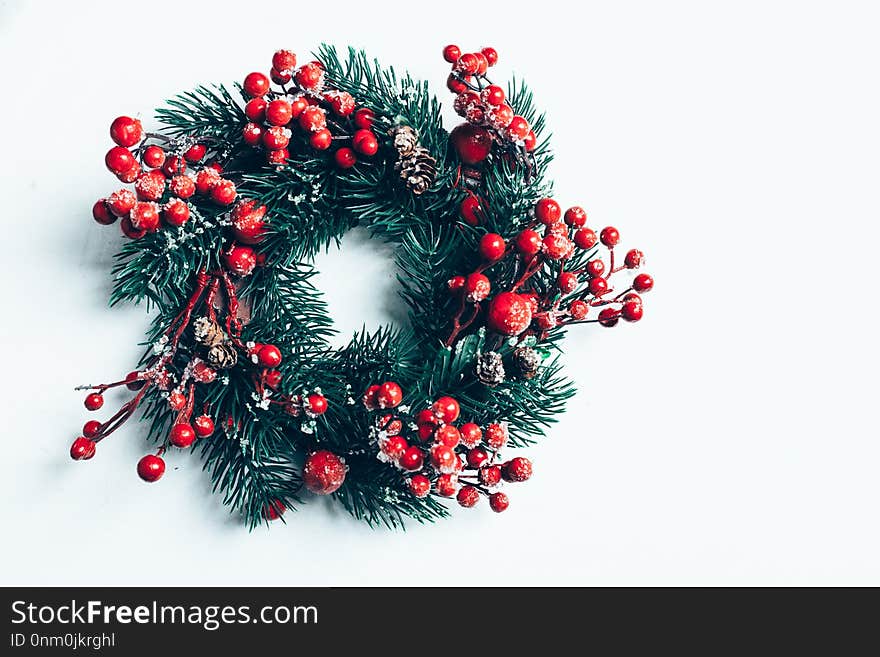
column 517, row 469
column 176, row 212
column 256, row 84
column 145, row 216
column 273, row 510
column 345, row 158
column 509, row 314
column 455, row 283
column 451, row 53
column 394, row 447
column 419, row 485
column 203, row 426
column 310, row 76
column 129, row 230
column 279, row 112
column 518, row 129
column 609, row 236
column 121, row 203
column 471, row 434
column 240, row 260
column 174, row 165
column 492, row 247
column 321, row 140
column 91, row 428
column 576, row 217
column 595, row 267
column 609, row 317
column 585, row 238
column 370, row 398
column 182, row 186
column 472, row 143
column 492, row 95
column 470, row 210
column 444, row 459
column 477, row 287
column 568, row 282
column 643, row 283
column 528, row 242
column 498, row 502
column 268, row 355
column 206, row 180
column 446, row 484
column 255, row 109
column 467, row 64
column 632, row 309
column 182, row 435
column 248, row 222
column 126, row 131
column 464, row 101
column 578, row 309
column 276, row 138
column 490, row 475
column 363, row 118
column 82, row 449
column 495, row 436
column 341, row 102
column 223, row 193
column 468, row 496
column 412, row 459
column 316, row 404
column 252, row 134
column 477, row 457
column 150, row 186
column 389, row 395
column 323, row 472
column 547, row 211
column 501, row 116
column 278, row 157
column 557, row 247
column 284, row 61
column 151, row 468
column 119, row 160
column 447, row 435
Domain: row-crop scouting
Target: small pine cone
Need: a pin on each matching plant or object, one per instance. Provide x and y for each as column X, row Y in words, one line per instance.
column 405, row 139
column 418, row 170
column 526, row 361
column 490, row 368
column 207, row 332
column 222, row 356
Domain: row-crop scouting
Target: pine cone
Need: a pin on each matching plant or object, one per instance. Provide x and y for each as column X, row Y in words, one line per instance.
column 207, row 332
column 417, row 170
column 222, row 356
column 526, row 361
column 490, row 368
column 405, row 139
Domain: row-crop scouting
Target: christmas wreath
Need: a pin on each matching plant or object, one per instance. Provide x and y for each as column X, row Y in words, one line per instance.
column 232, row 199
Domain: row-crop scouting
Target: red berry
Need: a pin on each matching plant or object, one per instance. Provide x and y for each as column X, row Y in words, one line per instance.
column 129, row 230
column 101, row 212
column 276, row 138
column 82, row 449
column 451, row 53
column 151, row 468
column 643, row 283
column 394, row 447
column 492, row 95
column 240, row 260
column 195, row 152
column 468, row 496
column 471, row 434
column 490, row 475
column 323, row 472
column 94, row 401
column 345, row 158
column 585, row 238
column 477, row 287
column 465, row 101
column 370, row 398
column 126, row 131
column 528, row 242
column 174, row 165
column 321, row 140
column 455, row 283
column 498, row 502
column 255, row 109
column 609, row 236
column 182, row 186
column 598, row 286
column 568, row 282
column 145, row 216
column 91, row 428
column 455, row 85
column 492, row 247
column 426, row 417
column 252, row 134
column 576, row 216
column 578, row 309
column 447, row 435
column 444, row 458
column 153, row 157
column 495, row 436
column 634, row 259
column 298, row 106
column 273, row 510
column 223, row 193
column 176, row 401
column 279, row 112
column 133, row 381
column 482, row 63
column 284, row 61
column 518, row 129
column 509, row 314
column 150, row 186
column 365, row 142
column 269, row 356
column 206, row 180
column 256, row 84
column 491, row 55
column 609, row 317
column 278, row 157
column 120, row 203
column 557, row 247
column 317, row 404
column 119, row 160
column 419, row 485
column 176, row 212
column 248, row 224
column 472, row 143
column 501, row 116
column 204, row 426
column 182, row 435
column 517, row 469
column 389, row 395
column 447, row 484
column 341, row 102
column 363, row 118
column 530, row 141
column 412, row 459
column 273, row 378
column 631, row 310
column 310, row 76
column 477, row 457
column 467, row 64
column 547, row 211
column 470, row 209
column 595, row 267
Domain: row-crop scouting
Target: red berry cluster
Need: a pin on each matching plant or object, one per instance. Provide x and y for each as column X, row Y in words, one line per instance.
column 490, row 118
column 162, row 183
column 303, row 108
column 520, row 307
column 461, row 460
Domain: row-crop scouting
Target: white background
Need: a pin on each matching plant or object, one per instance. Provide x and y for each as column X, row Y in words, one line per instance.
column 730, row 438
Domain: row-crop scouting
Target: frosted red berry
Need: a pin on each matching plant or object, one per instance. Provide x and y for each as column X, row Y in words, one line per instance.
column 419, row 485
column 389, row 395
column 102, row 214
column 446, row 484
column 447, row 435
column 498, row 502
column 517, row 469
column 477, row 287
column 203, row 426
column 468, row 496
column 495, row 436
column 121, row 202
column 568, row 282
column 284, row 61
column 223, row 193
column 323, row 472
column 492, row 95
column 547, row 211
column 471, row 434
column 509, row 314
column 176, row 212
column 279, row 112
column 518, row 129
column 595, row 267
column 317, row 404
column 310, row 76
column 490, row 475
column 240, row 260
column 578, row 309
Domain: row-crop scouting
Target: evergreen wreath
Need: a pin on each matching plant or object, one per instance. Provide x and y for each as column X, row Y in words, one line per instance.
column 234, row 198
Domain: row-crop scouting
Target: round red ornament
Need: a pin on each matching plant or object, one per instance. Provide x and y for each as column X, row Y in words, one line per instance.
column 412, row 459
column 248, row 224
column 643, row 283
column 477, row 287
